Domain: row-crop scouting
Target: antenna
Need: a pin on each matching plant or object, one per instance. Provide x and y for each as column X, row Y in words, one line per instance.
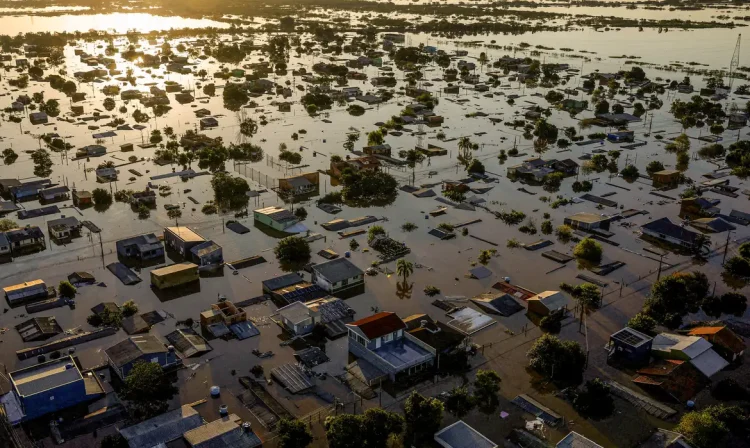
column 735, row 62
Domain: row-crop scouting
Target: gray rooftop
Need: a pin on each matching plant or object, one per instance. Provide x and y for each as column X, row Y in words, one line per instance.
column 133, row 348
column 205, row 248
column 575, row 440
column 223, row 433
column 46, row 376
column 337, row 270
column 162, row 428
column 283, row 281
column 461, row 435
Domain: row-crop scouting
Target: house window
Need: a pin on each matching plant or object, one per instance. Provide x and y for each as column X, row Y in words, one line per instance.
column 388, row 337
column 344, row 282
column 155, row 360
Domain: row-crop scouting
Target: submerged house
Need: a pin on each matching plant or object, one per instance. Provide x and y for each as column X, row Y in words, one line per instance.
column 338, row 277
column 382, row 341
column 663, row 229
column 145, row 348
column 141, row 247
column 48, row 387
column 299, row 318
column 182, row 239
column 64, row 228
column 27, row 239
column 279, row 219
column 207, row 253
column 302, row 184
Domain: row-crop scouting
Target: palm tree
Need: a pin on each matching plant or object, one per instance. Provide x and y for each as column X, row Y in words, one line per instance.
column 404, row 268
column 464, row 151
column 701, row 246
column 412, row 157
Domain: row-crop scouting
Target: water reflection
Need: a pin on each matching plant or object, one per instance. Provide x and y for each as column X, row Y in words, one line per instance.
column 116, row 22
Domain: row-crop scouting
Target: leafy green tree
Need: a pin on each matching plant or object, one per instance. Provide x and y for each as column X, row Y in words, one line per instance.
column 147, row 390
column 378, row 425
column 588, row 250
column 702, row 429
column 674, row 296
column 301, row 213
column 229, row 190
column 374, row 231
column 292, row 253
column 293, row 434
column 643, row 323
column 486, row 391
column 564, row 233
column 681, row 143
column 129, row 308
column 594, row 401
column 459, row 402
column 7, row 224
column 375, row 138
column 423, row 417
column 654, row 167
column 66, row 289
column 42, row 162
column 558, row 360
column 630, row 172
column 369, row 430
column 553, row 181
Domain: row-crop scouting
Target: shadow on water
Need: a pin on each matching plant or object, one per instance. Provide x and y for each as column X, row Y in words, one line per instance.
column 177, row 292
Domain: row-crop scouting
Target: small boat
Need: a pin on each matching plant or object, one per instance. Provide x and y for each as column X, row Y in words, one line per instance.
column 438, row 211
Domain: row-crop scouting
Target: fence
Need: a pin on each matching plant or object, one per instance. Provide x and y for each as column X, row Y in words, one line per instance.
column 255, row 175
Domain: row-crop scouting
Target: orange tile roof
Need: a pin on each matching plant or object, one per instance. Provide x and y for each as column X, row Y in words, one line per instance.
column 697, row 331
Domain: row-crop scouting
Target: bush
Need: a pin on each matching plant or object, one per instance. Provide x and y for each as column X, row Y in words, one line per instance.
column 301, row 213
column 430, row 290
column 654, row 167
column 409, row 227
column 129, row 308
column 374, row 231
column 564, row 233
column 546, row 227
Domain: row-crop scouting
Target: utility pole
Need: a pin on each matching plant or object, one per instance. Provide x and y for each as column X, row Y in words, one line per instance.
column 658, row 274
column 726, row 248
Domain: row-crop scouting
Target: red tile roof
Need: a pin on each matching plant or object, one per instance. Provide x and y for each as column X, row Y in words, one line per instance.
column 379, row 324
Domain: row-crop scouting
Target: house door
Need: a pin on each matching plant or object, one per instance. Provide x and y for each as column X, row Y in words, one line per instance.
column 377, row 343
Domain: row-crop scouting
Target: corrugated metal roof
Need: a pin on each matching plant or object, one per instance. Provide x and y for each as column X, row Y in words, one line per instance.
column 163, row 428
column 133, row 347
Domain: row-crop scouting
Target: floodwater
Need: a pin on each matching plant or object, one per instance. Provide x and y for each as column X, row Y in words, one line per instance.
column 442, row 263
column 115, row 22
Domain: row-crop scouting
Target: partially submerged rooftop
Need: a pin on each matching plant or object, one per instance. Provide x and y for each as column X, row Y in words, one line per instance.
column 49, row 375
column 162, row 428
